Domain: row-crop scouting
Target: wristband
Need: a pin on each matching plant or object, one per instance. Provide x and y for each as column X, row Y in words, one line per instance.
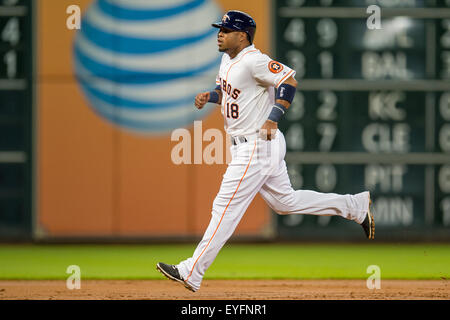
column 285, row 92
column 213, row 97
column 277, row 112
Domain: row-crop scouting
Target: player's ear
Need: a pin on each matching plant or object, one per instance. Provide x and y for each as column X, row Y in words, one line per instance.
column 242, row 36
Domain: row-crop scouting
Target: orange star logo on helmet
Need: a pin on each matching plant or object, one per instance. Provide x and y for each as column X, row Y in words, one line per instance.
column 225, row 18
column 275, row 67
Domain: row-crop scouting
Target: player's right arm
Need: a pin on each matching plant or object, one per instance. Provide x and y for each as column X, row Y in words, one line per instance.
column 277, row 75
column 214, row 96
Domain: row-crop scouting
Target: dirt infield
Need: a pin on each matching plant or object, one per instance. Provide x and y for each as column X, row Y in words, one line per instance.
column 226, row 290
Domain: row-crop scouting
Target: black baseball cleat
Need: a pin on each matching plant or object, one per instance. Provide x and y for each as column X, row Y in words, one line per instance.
column 369, row 223
column 171, row 272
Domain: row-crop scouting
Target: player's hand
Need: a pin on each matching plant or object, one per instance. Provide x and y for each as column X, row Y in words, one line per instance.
column 201, row 99
column 268, row 130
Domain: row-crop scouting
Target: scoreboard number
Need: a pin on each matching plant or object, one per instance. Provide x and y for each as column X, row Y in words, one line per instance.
column 327, row 31
column 11, row 32
column 295, row 32
column 10, row 60
column 296, row 60
column 327, row 108
column 326, row 64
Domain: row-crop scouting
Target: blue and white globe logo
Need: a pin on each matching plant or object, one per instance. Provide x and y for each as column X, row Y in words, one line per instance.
column 140, row 63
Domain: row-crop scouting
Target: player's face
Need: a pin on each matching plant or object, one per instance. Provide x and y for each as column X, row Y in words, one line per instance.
column 227, row 39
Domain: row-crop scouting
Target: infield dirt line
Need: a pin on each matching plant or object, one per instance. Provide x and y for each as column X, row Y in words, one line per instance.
column 225, row 290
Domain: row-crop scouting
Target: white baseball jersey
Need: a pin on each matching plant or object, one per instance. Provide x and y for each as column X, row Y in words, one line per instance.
column 247, row 83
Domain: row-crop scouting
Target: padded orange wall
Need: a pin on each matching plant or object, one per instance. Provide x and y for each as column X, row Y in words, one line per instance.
column 96, row 180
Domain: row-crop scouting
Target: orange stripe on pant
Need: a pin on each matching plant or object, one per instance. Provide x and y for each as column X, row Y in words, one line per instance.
column 223, row 214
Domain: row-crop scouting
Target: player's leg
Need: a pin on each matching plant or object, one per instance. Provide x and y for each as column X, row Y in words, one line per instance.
column 240, row 184
column 282, row 198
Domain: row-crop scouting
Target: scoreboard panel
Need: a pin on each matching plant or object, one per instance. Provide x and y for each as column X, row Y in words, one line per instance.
column 372, row 112
column 16, row 69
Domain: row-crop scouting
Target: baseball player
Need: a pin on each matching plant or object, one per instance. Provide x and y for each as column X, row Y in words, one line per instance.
column 251, row 109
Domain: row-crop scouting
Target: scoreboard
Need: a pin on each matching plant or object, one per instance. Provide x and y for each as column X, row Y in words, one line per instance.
column 371, row 112
column 16, row 17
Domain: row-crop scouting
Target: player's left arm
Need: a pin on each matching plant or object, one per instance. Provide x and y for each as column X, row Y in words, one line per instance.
column 283, row 99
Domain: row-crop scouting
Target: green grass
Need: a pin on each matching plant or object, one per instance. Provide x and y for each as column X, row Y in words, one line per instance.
column 235, row 261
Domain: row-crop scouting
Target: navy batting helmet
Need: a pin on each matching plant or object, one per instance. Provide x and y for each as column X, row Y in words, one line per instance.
column 238, row 21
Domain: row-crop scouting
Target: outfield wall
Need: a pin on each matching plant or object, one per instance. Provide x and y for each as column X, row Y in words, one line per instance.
column 97, row 177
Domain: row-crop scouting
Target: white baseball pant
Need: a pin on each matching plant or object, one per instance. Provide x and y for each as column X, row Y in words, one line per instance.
column 259, row 166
